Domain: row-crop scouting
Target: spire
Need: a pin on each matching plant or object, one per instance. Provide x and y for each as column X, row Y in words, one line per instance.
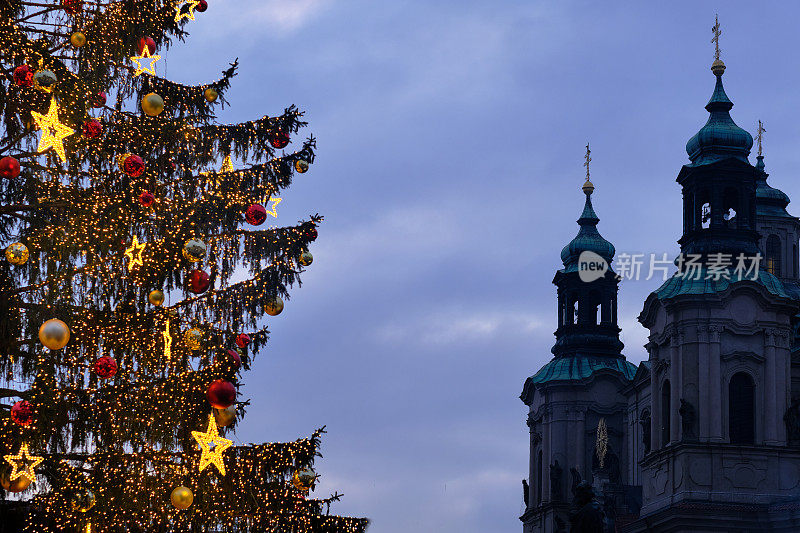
column 588, row 238
column 720, row 138
column 769, row 200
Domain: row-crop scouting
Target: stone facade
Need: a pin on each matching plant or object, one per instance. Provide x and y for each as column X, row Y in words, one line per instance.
column 705, row 434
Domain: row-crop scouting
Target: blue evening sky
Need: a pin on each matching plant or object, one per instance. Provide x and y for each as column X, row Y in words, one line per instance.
column 451, row 137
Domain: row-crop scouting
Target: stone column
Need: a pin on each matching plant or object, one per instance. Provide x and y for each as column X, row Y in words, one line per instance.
column 547, row 420
column 655, row 405
column 703, row 361
column 675, row 388
column 715, row 384
column 535, row 439
column 770, row 431
column 580, row 443
column 783, row 383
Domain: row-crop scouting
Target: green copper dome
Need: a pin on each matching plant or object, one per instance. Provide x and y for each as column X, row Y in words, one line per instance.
column 582, row 366
column 769, row 200
column 588, row 239
column 720, row 138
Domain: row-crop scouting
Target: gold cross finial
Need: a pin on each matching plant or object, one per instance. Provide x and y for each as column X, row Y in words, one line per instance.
column 760, row 135
column 587, row 158
column 717, row 32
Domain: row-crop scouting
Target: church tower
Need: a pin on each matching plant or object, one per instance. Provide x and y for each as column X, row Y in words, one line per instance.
column 576, row 405
column 719, row 347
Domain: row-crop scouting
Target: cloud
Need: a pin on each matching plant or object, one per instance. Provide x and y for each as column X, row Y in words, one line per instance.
column 281, row 16
column 457, row 327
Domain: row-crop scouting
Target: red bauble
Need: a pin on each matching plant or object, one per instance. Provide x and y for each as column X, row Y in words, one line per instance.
column 22, row 412
column 72, row 6
column 242, row 340
column 279, row 139
column 92, row 128
column 201, row 6
column 105, row 367
column 311, row 233
column 221, row 394
column 146, row 198
column 149, row 43
column 9, row 167
column 255, row 214
column 133, row 166
column 99, row 100
column 234, row 359
column 23, row 76
column 199, row 282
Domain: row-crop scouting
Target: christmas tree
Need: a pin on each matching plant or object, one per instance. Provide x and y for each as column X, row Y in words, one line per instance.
column 129, row 217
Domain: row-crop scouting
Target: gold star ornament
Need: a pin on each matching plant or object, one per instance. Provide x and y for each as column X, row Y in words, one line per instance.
column 274, row 209
column 189, row 14
column 211, row 436
column 53, row 132
column 134, row 254
column 23, row 463
column 145, row 55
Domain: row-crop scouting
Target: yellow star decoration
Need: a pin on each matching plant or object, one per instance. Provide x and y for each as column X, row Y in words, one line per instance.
column 189, row 14
column 272, row 210
column 53, row 132
column 137, row 250
column 221, row 444
column 145, row 55
column 167, row 342
column 25, row 458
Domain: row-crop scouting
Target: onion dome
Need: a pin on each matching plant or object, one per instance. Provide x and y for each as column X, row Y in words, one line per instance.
column 588, row 238
column 720, row 138
column 769, row 201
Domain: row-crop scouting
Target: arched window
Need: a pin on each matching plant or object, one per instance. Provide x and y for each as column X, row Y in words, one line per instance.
column 741, row 409
column 730, row 204
column 644, row 422
column 539, row 478
column 702, row 205
column 594, row 308
column 666, row 397
column 773, row 255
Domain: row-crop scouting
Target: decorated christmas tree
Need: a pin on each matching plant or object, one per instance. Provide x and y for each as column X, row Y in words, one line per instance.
column 137, row 276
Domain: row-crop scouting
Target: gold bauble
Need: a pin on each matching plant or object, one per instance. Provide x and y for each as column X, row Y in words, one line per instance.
column 77, row 39
column 181, row 497
column 152, row 104
column 210, row 94
column 82, row 500
column 303, row 479
column 121, row 164
column 306, row 259
column 194, row 338
column 18, row 485
column 17, row 254
column 301, row 166
column 225, row 417
column 194, row 250
column 44, row 80
column 274, row 307
column 54, row 334
column 156, row 297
